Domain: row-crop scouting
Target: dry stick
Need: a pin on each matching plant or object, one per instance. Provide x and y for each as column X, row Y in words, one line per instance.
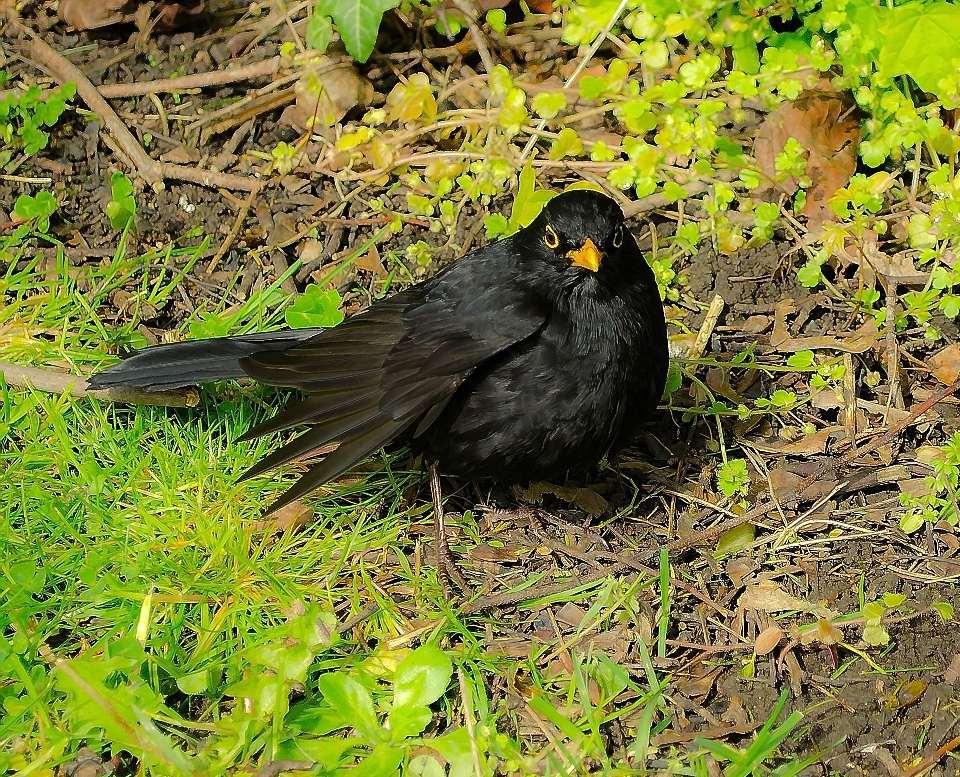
column 149, row 169
column 537, row 591
column 238, row 222
column 931, row 760
column 761, row 510
column 58, row 383
column 196, row 81
column 65, row 71
column 479, row 39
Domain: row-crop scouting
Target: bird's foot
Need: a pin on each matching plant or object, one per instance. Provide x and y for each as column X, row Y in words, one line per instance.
column 446, row 567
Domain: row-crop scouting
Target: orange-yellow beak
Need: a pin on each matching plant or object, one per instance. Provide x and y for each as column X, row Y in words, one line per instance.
column 587, row 256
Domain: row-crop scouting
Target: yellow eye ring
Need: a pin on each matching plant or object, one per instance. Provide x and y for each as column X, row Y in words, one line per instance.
column 618, row 237
column 550, row 238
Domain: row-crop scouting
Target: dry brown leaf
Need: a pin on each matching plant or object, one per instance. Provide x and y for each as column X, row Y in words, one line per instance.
column 754, row 325
column 94, row 15
column 699, row 687
column 501, row 554
column 856, row 342
column 945, row 364
column 326, row 92
column 825, row 124
column 370, row 262
column 898, row 268
column 586, row 499
column 738, row 568
column 767, row 596
column 293, row 515
column 570, row 615
column 952, row 675
column 810, row 444
column 712, row 733
column 767, row 640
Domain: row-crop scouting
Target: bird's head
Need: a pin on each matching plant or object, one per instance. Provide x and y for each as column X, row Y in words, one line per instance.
column 581, row 233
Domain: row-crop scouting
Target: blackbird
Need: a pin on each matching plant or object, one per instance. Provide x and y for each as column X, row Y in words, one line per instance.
column 522, row 361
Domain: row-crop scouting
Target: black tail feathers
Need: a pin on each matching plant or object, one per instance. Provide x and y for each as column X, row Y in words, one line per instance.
column 174, row 365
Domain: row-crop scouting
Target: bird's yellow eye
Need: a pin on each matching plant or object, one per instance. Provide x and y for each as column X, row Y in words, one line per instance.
column 618, row 237
column 550, row 238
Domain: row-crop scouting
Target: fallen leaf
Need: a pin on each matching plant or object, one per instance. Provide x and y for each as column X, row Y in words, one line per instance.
column 767, row 596
column 292, row 515
column 945, row 364
column 808, row 445
column 754, row 325
column 898, row 268
column 586, row 499
column 952, row 674
column 371, row 262
column 570, row 615
column 326, row 92
column 487, row 552
column 94, row 15
column 826, row 126
column 713, row 733
column 767, row 640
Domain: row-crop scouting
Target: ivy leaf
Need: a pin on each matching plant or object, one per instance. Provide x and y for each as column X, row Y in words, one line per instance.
column 319, row 31
column 357, row 22
column 916, row 39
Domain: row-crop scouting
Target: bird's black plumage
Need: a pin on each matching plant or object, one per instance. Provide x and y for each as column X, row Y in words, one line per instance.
column 521, row 361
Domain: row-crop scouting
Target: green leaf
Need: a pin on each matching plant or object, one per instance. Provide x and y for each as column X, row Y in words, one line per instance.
column 674, row 381
column 497, row 19
column 352, row 701
column 875, row 635
column 548, row 104
column 122, row 207
column 315, row 307
column 319, row 31
column 422, row 677
column 326, row 752
column 358, row 22
column 408, row 721
column 193, row 683
column 568, row 143
column 809, row 275
column 528, row 203
column 208, row 325
column 384, row 761
column 914, row 39
column 673, row 192
column 495, row 225
column 945, row 609
column 802, row 360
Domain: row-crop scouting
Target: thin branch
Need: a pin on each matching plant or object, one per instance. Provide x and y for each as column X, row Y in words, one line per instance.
column 57, row 383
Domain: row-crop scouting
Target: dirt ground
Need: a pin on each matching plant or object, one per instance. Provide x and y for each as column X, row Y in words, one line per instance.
column 836, row 552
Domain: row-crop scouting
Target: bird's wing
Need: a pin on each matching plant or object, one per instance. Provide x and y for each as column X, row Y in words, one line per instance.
column 379, row 372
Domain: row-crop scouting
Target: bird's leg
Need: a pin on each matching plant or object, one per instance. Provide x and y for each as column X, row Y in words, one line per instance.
column 445, row 563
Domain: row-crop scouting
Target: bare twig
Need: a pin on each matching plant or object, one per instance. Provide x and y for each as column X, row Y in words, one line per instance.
column 58, row 383
column 196, row 81
column 150, row 170
column 479, row 39
column 65, row 71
